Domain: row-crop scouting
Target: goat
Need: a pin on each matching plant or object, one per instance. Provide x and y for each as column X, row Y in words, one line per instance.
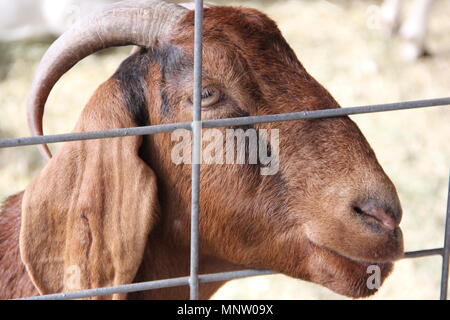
column 413, row 28
column 116, row 211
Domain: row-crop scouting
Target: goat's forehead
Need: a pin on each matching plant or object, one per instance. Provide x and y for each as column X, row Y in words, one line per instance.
column 232, row 24
column 224, row 47
column 219, row 58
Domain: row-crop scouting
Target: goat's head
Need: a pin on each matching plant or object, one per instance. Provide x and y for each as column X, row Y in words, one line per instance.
column 327, row 214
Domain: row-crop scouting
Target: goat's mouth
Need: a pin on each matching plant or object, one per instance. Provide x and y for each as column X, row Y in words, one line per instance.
column 363, row 263
column 346, row 275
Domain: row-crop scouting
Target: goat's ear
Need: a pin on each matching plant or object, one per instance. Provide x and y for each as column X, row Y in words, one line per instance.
column 86, row 218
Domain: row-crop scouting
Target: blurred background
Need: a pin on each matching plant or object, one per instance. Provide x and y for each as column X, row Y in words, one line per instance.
column 348, row 46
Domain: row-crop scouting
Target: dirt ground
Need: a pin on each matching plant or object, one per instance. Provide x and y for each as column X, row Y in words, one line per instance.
column 342, row 44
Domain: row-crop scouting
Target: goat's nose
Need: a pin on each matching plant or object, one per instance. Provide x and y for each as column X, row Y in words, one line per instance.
column 373, row 211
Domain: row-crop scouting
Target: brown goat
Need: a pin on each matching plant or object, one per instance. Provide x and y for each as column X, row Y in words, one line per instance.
column 115, row 211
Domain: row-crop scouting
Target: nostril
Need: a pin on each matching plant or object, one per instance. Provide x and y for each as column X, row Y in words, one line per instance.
column 358, row 210
column 372, row 212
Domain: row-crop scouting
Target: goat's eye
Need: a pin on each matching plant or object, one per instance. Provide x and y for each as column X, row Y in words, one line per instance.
column 210, row 96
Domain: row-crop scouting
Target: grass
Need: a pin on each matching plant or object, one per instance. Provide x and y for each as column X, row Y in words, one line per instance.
column 340, row 44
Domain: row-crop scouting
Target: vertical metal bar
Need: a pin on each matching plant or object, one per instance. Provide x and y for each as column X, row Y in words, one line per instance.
column 196, row 148
column 446, row 250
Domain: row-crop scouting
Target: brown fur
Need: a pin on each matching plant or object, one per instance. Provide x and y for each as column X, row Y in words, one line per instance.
column 14, row 280
column 98, row 208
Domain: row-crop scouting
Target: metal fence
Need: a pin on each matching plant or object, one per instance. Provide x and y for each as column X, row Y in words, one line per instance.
column 195, row 126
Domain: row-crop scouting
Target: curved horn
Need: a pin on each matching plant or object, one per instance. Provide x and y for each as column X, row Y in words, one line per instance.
column 131, row 22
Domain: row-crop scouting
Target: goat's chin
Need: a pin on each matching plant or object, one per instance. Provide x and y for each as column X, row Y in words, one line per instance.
column 344, row 275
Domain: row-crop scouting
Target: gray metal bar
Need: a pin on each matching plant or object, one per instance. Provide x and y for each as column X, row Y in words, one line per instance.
column 327, row 113
column 126, row 288
column 423, row 253
column 196, row 148
column 92, row 135
column 140, row 131
column 225, row 276
column 446, row 250
column 150, row 285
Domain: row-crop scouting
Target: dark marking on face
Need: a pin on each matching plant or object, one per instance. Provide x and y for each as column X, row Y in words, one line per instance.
column 165, row 103
column 171, row 59
column 131, row 77
column 172, row 62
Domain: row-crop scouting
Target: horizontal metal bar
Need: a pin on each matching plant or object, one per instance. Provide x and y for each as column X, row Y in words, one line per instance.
column 114, row 133
column 225, row 276
column 150, row 285
column 183, row 281
column 327, row 113
column 423, row 253
column 303, row 115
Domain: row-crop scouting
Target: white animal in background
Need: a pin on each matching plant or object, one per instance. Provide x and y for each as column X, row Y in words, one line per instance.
column 25, row 19
column 412, row 27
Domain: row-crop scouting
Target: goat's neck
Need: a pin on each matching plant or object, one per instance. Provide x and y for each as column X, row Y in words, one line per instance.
column 164, row 259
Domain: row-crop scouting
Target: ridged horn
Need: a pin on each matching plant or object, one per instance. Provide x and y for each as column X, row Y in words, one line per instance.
column 131, row 22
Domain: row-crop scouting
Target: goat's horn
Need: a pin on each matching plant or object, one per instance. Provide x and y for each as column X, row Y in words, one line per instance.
column 132, row 22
